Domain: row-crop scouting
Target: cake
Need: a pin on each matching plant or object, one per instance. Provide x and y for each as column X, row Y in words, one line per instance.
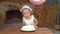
column 28, row 28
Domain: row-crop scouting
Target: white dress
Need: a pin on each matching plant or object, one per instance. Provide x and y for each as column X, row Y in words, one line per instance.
column 29, row 21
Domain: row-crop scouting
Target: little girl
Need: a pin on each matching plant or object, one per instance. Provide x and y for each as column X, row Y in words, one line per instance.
column 28, row 18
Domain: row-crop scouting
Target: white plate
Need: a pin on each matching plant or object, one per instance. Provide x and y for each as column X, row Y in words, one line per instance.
column 28, row 28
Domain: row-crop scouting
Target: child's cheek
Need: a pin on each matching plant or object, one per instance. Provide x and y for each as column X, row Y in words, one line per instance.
column 28, row 14
column 25, row 15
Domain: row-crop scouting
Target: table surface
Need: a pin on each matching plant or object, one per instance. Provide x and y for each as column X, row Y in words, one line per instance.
column 17, row 31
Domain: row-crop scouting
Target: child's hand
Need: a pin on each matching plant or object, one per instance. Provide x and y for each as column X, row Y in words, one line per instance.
column 34, row 26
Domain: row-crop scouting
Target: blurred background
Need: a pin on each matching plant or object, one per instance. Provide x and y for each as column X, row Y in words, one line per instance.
column 47, row 14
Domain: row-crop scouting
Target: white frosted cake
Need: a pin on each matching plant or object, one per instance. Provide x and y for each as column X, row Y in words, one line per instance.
column 28, row 28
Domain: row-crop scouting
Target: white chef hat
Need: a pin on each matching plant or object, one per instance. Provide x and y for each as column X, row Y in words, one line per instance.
column 26, row 7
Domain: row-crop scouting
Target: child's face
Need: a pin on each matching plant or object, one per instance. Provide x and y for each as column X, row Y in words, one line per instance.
column 26, row 13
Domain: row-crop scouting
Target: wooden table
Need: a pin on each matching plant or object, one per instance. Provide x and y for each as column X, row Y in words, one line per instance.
column 17, row 31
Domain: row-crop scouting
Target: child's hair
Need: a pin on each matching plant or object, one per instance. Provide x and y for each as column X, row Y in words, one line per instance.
column 26, row 7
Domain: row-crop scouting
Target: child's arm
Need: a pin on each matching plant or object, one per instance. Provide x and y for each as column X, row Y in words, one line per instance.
column 35, row 22
column 23, row 23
